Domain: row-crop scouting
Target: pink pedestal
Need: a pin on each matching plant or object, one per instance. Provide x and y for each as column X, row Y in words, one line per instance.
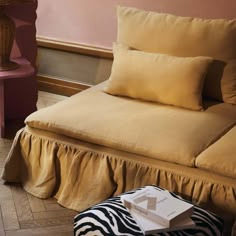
column 18, row 93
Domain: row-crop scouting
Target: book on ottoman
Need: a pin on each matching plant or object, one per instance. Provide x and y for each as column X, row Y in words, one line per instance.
column 158, row 205
column 150, row 227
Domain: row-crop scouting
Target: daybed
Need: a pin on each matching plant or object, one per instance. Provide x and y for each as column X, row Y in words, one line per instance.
column 119, row 135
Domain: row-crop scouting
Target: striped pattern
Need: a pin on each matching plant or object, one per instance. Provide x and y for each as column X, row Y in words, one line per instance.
column 112, row 218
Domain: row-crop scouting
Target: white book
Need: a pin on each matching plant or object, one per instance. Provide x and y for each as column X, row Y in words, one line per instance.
column 158, row 205
column 151, row 227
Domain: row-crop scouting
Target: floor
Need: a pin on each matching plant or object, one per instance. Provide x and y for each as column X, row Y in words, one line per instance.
column 22, row 214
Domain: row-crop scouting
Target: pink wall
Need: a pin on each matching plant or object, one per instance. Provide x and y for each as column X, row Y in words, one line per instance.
column 94, row 22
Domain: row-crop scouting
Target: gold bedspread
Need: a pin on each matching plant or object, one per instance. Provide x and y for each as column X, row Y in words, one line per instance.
column 81, row 174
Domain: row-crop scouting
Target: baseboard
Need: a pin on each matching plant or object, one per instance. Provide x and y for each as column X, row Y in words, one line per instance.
column 58, row 86
column 75, row 47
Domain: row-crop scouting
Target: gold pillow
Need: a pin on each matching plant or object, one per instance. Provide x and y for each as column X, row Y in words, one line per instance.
column 158, row 77
column 186, row 37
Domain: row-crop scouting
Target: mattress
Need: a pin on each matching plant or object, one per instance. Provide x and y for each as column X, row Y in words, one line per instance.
column 159, row 131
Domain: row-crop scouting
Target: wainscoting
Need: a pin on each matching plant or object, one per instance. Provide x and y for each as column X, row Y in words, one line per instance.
column 67, row 68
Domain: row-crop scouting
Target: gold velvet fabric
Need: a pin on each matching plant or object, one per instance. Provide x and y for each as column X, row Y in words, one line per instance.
column 157, row 77
column 81, row 174
column 155, row 130
column 221, row 156
column 185, row 37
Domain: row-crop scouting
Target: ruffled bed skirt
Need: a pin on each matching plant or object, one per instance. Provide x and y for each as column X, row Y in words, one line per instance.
column 81, row 174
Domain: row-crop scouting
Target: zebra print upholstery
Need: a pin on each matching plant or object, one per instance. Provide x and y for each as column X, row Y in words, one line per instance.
column 112, row 218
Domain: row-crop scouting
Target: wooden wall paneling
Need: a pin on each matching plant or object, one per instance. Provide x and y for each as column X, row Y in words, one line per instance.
column 68, row 68
column 58, row 86
column 75, row 47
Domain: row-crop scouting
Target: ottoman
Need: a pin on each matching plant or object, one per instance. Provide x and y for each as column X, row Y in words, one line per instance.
column 112, row 218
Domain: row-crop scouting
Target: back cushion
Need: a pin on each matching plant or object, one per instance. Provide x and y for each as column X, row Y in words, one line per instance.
column 186, row 37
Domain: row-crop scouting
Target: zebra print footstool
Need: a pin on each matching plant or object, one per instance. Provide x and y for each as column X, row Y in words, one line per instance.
column 111, row 218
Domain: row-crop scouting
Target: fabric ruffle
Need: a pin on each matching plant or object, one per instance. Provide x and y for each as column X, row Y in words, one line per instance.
column 80, row 177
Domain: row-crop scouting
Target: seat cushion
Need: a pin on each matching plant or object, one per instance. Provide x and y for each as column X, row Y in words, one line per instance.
column 185, row 37
column 155, row 130
column 220, row 157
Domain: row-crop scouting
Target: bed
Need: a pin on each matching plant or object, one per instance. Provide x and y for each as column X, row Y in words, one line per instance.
column 119, row 135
